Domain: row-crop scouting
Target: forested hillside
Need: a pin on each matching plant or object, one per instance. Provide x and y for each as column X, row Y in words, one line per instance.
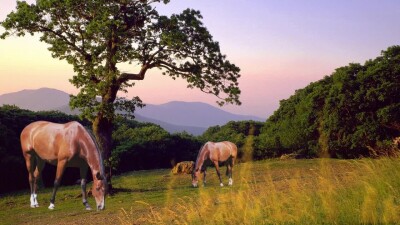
column 353, row 112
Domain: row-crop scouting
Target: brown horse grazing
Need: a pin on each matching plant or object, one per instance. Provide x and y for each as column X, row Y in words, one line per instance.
column 216, row 152
column 64, row 145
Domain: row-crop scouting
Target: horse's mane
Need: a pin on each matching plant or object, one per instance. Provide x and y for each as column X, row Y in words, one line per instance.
column 202, row 147
column 90, row 132
column 198, row 156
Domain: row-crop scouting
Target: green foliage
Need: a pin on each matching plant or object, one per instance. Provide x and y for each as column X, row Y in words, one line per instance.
column 148, row 146
column 344, row 115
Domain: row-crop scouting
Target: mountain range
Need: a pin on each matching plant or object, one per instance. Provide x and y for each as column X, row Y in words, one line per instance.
column 175, row 116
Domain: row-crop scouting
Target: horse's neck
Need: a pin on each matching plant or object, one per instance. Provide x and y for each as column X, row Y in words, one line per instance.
column 201, row 157
column 93, row 156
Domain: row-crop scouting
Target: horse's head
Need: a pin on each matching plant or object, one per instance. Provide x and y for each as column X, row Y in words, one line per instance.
column 195, row 177
column 99, row 190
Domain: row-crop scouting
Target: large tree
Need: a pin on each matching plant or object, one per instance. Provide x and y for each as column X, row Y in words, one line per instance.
column 96, row 36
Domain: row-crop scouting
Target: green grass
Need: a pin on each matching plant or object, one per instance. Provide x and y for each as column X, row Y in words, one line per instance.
column 319, row 191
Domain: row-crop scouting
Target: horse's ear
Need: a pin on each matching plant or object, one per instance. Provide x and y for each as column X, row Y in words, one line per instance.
column 99, row 176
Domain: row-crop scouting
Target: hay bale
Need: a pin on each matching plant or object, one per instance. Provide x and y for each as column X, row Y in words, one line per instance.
column 290, row 156
column 185, row 167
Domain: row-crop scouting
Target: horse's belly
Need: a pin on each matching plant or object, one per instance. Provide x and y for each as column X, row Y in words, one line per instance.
column 47, row 156
column 71, row 163
column 52, row 162
column 52, row 158
column 76, row 162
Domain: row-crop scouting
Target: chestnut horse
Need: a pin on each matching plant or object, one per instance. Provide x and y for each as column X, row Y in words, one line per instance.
column 216, row 152
column 63, row 145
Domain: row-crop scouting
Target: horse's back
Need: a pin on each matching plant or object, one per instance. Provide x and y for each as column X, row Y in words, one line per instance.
column 232, row 147
column 28, row 133
column 221, row 151
column 47, row 138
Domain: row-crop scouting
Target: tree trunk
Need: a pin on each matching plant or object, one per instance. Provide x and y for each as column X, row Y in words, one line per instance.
column 102, row 128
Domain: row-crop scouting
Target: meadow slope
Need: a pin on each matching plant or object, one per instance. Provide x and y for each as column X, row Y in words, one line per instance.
column 314, row 191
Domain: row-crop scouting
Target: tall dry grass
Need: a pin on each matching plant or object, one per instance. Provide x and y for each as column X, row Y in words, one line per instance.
column 319, row 191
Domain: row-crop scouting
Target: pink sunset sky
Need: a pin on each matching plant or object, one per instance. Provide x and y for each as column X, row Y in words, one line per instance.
column 280, row 46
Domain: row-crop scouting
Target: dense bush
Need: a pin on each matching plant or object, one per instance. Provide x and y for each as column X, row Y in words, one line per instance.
column 148, row 146
column 348, row 114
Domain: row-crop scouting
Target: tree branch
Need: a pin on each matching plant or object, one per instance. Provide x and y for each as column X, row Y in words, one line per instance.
column 132, row 76
column 171, row 67
column 76, row 48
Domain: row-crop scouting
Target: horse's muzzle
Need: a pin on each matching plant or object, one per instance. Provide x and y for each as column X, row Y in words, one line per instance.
column 101, row 206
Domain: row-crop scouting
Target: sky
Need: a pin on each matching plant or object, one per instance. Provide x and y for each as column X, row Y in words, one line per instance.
column 279, row 45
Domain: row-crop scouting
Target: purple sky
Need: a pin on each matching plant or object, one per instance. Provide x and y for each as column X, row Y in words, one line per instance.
column 280, row 46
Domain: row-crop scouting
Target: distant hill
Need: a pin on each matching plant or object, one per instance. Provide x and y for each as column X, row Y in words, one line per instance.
column 196, row 114
column 36, row 100
column 192, row 117
column 172, row 128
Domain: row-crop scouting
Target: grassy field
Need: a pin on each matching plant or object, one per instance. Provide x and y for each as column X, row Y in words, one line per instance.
column 318, row 191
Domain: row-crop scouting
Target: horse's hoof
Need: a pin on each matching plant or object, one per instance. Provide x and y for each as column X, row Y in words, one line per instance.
column 51, row 206
column 221, row 184
column 37, row 206
column 88, row 208
column 33, row 206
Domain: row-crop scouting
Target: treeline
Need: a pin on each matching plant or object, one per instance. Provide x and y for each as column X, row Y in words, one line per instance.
column 355, row 112
column 137, row 146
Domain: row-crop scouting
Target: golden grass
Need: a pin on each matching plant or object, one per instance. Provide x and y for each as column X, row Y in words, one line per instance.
column 317, row 191
column 291, row 192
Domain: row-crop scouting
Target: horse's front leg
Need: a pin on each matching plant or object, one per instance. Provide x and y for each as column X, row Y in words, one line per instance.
column 204, row 177
column 218, row 173
column 60, row 170
column 83, row 172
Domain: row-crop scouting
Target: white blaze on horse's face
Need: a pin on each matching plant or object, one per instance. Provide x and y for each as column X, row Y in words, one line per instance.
column 98, row 191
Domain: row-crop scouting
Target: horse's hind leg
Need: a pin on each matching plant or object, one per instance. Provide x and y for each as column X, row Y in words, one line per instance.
column 30, row 166
column 229, row 168
column 37, row 176
column 83, row 172
column 218, row 173
column 229, row 173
